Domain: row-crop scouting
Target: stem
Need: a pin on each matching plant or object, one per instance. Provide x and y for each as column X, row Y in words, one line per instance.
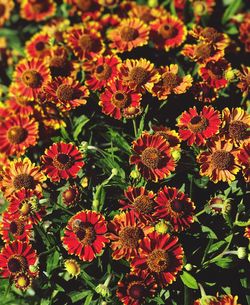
column 135, row 128
column 47, row 252
column 65, row 210
column 203, row 293
column 200, row 213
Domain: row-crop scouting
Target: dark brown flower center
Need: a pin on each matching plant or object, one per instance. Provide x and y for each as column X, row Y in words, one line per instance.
column 216, row 68
column 222, row 160
column 16, row 227
column 23, row 180
column 137, row 290
column 59, row 66
column 87, row 43
column 16, row 263
column 170, row 80
column 103, row 72
column 238, row 130
column 177, row 205
column 203, row 51
column 147, row 16
column 210, row 34
column 139, row 75
column 167, row 31
column 128, row 33
column 2, row 9
column 17, row 134
column 158, row 260
column 62, row 161
column 119, row 99
column 65, row 92
column 39, row 6
column 84, row 5
column 85, row 233
column 40, row 46
column 129, row 236
column 143, row 204
column 198, row 124
column 32, row 78
column 151, row 157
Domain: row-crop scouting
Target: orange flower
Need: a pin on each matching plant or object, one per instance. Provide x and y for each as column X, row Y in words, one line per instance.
column 171, row 82
column 244, row 33
column 6, row 7
column 170, row 135
column 244, row 80
column 145, row 13
column 129, row 34
column 37, row 10
column 244, row 160
column 38, row 45
column 20, row 105
column 87, row 9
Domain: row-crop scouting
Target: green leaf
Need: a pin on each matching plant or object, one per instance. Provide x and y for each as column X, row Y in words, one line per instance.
column 189, row 280
column 88, row 299
column 232, row 9
column 218, row 246
column 225, row 262
column 52, row 261
column 209, row 231
column 79, row 124
column 78, row 296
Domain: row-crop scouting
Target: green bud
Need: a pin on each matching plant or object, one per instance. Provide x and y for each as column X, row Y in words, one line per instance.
column 114, row 171
column 153, row 3
column 161, row 227
column 103, row 290
column 134, row 174
column 188, row 267
column 241, row 252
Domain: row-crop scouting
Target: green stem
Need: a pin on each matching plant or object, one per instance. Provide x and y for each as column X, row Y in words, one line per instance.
column 65, row 210
column 47, row 252
column 135, row 128
column 200, row 213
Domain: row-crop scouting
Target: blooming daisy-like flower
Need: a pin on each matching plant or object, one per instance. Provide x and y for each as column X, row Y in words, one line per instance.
column 37, row 10
column 71, row 195
column 17, row 134
column 152, row 156
column 87, row 9
column 167, row 32
column 161, row 255
column 22, row 281
column 117, row 98
column 213, row 73
column 20, row 105
column 6, row 7
column 21, row 174
column 244, row 160
column 175, row 207
column 171, row 82
column 219, row 162
column 197, row 128
column 140, row 201
column 134, row 288
column 125, row 232
column 244, row 30
column 146, row 13
column 12, row 228
column 84, row 235
column 102, row 71
column 16, row 257
column 204, row 93
column 72, row 267
column 244, row 80
column 62, row 161
column 29, row 77
column 86, row 43
column 24, row 204
column 236, row 124
column 130, row 33
column 218, row 300
column 66, row 92
column 38, row 45
column 139, row 75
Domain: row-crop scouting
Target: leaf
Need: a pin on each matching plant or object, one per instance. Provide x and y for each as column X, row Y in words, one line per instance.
column 231, row 10
column 78, row 296
column 189, row 280
column 224, row 262
column 88, row 299
column 52, row 261
column 79, row 124
column 209, row 231
column 217, row 246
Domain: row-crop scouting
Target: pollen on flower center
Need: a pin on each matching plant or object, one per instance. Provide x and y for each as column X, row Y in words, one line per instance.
column 31, row 78
column 40, row 6
column 143, row 204
column 203, row 51
column 222, row 160
column 17, row 134
column 139, row 75
column 16, row 263
column 62, row 161
column 209, row 33
column 128, row 33
column 167, row 31
column 177, row 205
column 150, row 157
column 130, row 236
column 16, row 227
column 103, row 72
column 216, row 68
column 84, row 5
column 23, row 180
column 25, row 207
column 158, row 260
column 86, row 42
column 85, row 233
column 119, row 99
column 170, row 80
column 198, row 124
column 238, row 130
column 65, row 92
column 136, row 290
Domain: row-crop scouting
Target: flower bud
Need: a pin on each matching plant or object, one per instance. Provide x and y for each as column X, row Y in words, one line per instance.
column 103, row 290
column 161, row 227
column 188, row 267
column 241, row 252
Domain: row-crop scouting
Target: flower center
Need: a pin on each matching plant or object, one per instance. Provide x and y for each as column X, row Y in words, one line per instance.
column 147, row 16
column 137, row 290
column 23, row 180
column 2, row 9
column 216, row 69
column 69, row 195
column 22, row 281
column 158, row 260
column 177, row 205
column 32, row 78
column 103, row 72
column 40, row 46
column 150, row 157
column 167, row 31
column 119, row 99
column 139, row 75
column 16, row 263
column 200, row 8
column 238, row 130
column 143, row 204
column 170, row 80
column 84, row 5
column 85, row 233
column 210, row 34
column 25, row 207
column 59, row 66
column 86, row 42
column 17, row 134
column 40, row 6
column 198, row 124
column 65, row 92
column 62, row 161
column 129, row 236
column 203, row 51
column 128, row 33
column 222, row 160
column 16, row 227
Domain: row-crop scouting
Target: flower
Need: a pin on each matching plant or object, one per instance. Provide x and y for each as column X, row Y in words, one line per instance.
column 16, row 257
column 134, row 288
column 139, row 75
column 243, row 158
column 161, row 255
column 140, row 201
column 37, row 10
column 118, row 98
column 244, row 80
column 129, row 34
column 20, row 105
column 72, row 267
column 17, row 134
column 71, row 195
column 218, row 300
column 219, row 162
column 145, row 13
column 197, row 128
column 152, row 157
column 62, row 161
column 87, row 9
column 22, row 281
column 202, row 8
column 175, row 207
column 244, row 30
column 29, row 76
column 204, row 93
column 66, row 92
column 219, row 205
column 125, row 232
column 6, row 7
column 103, row 70
column 84, row 235
column 236, row 124
column 21, row 174
column 171, row 82
column 167, row 32
column 170, row 135
column 38, row 45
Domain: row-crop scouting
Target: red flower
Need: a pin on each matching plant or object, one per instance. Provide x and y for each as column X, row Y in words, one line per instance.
column 244, row 160
column 38, row 45
column 197, row 128
column 161, row 255
column 152, row 157
column 175, row 207
column 16, row 257
column 62, row 161
column 37, row 10
column 204, row 93
column 20, row 105
column 84, row 235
